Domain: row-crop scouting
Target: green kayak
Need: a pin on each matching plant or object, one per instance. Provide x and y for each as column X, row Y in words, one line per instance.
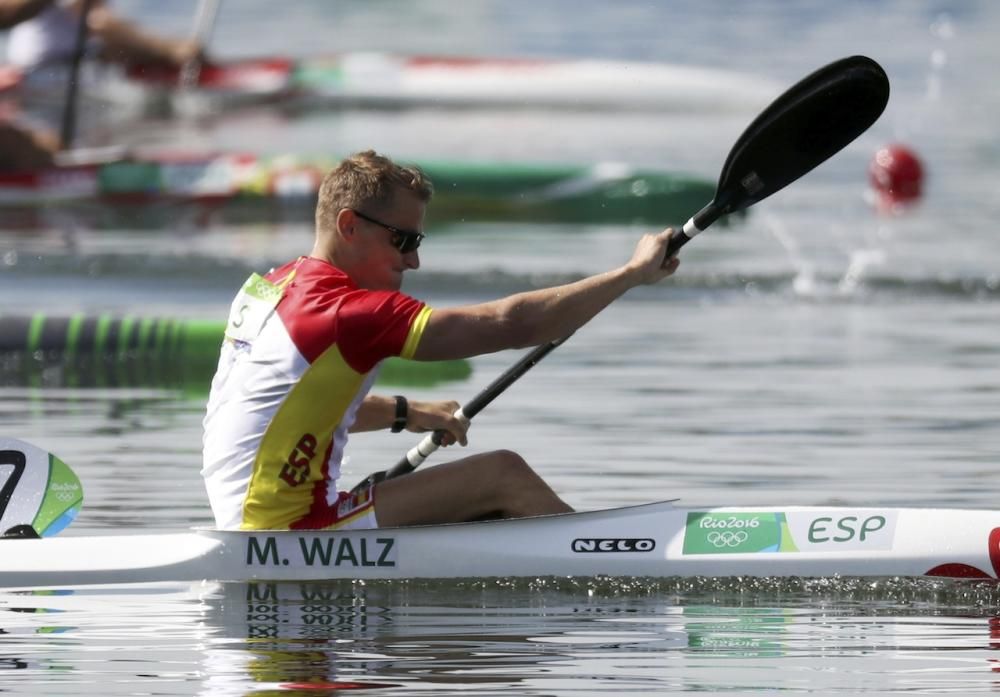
column 150, row 191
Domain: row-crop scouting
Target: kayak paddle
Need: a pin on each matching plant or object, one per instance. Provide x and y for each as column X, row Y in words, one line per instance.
column 432, row 441
column 67, row 131
column 813, row 120
column 39, row 494
column 204, row 23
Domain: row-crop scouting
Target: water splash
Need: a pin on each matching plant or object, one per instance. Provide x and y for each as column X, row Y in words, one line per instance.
column 942, row 29
column 861, row 260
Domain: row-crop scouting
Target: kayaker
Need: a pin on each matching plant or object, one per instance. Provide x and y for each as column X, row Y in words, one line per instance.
column 302, row 348
column 48, row 37
column 22, row 148
column 41, row 47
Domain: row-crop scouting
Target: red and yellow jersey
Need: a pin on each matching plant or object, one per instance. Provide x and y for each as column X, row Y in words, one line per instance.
column 302, row 350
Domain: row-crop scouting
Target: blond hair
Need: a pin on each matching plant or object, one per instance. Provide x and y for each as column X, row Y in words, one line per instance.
column 367, row 181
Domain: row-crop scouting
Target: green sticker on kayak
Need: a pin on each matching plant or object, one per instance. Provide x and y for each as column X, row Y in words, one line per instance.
column 736, row 533
column 813, row 530
column 62, row 501
column 37, row 489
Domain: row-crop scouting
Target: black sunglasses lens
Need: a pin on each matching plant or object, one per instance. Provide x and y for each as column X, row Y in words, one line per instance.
column 407, row 243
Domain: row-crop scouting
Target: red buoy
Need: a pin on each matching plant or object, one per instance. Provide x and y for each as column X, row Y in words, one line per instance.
column 897, row 175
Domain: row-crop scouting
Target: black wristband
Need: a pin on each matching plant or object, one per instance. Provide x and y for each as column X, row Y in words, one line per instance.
column 399, row 423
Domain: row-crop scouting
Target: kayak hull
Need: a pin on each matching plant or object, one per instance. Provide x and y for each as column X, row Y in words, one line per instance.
column 651, row 540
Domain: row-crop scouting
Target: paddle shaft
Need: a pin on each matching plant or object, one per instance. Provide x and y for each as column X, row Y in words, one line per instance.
column 204, row 23
column 68, row 131
column 432, row 441
column 695, row 224
column 416, row 455
column 815, row 118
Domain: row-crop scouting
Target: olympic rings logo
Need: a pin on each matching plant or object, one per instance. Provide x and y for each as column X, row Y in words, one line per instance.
column 64, row 492
column 266, row 291
column 727, row 538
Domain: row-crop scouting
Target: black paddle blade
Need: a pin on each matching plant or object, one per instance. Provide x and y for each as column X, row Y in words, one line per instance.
column 816, row 118
column 802, row 128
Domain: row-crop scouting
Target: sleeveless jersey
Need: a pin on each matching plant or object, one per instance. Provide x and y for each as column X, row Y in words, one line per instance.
column 302, row 349
column 48, row 37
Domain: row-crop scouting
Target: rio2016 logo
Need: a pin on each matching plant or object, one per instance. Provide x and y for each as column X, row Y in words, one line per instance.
column 730, row 522
column 732, row 533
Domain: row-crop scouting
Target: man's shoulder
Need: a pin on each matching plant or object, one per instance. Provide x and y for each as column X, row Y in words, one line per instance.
column 308, row 272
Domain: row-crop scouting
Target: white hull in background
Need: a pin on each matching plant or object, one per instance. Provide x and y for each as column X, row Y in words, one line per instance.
column 386, row 80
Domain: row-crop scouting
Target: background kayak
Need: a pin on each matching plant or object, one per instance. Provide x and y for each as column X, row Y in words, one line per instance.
column 149, row 191
column 375, row 79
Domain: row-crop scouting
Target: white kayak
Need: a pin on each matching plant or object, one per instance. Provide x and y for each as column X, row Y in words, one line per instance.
column 387, row 80
column 650, row 540
column 392, row 80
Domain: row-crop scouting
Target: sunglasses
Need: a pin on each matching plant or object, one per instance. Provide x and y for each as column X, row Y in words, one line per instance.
column 403, row 240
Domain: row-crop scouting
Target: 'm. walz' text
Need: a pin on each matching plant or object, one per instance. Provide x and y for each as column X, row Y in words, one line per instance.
column 320, row 550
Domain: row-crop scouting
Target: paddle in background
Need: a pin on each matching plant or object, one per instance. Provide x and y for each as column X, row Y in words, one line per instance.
column 204, row 23
column 39, row 494
column 68, row 131
column 813, row 120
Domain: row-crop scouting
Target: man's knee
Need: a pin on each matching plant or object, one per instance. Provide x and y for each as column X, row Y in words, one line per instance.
column 23, row 150
column 509, row 459
column 511, row 467
column 520, row 491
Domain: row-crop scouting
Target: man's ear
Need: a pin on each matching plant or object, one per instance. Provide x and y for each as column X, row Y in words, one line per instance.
column 346, row 223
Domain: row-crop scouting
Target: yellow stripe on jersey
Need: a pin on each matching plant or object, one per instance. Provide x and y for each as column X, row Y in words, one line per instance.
column 416, row 331
column 292, row 455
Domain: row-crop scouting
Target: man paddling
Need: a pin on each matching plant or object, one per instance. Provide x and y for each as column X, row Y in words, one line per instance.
column 22, row 148
column 46, row 37
column 302, row 349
